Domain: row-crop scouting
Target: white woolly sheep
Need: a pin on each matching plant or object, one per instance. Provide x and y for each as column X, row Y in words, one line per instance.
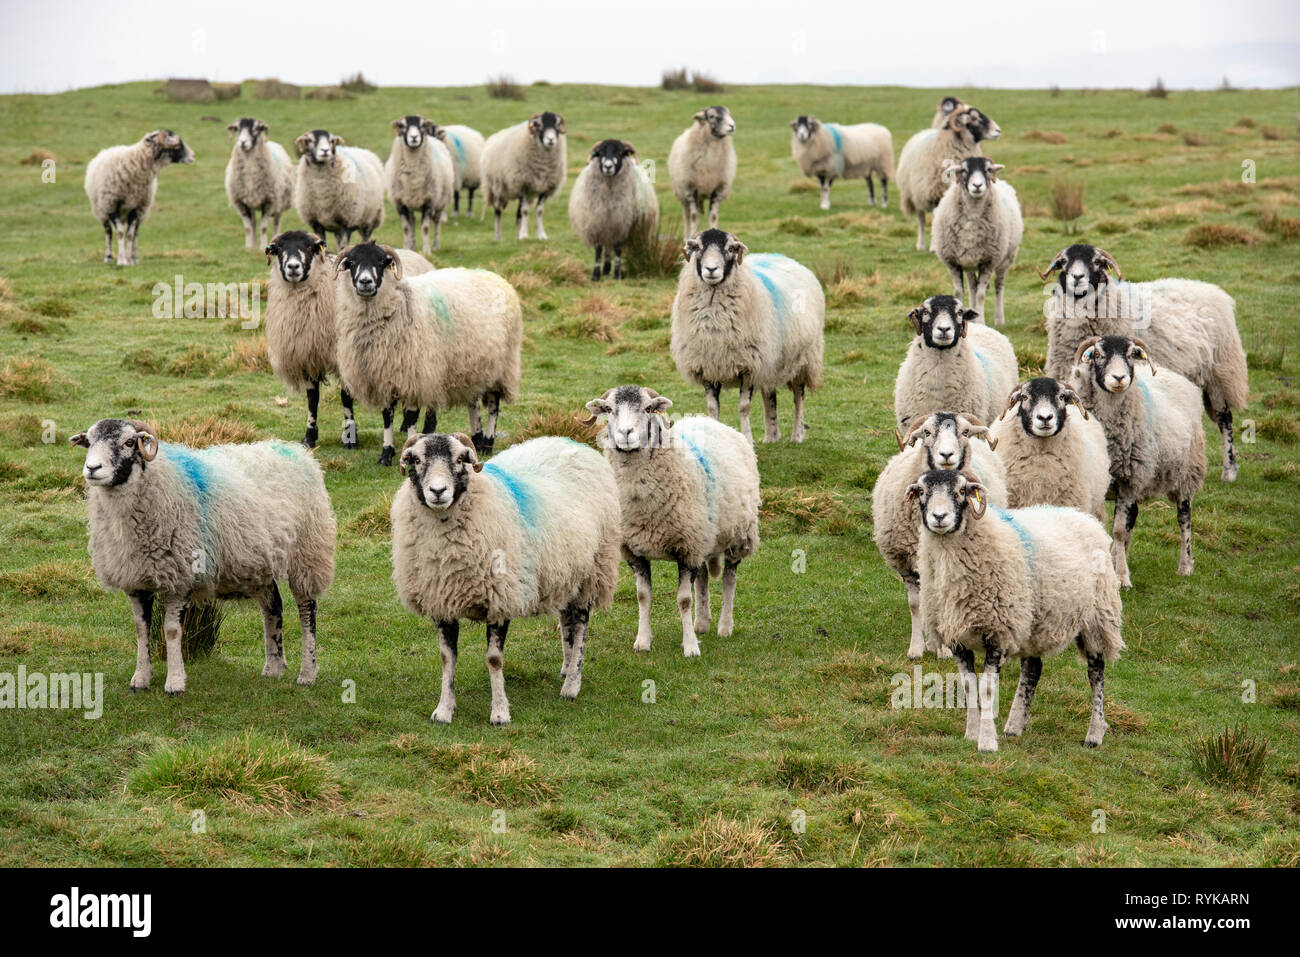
column 420, row 178
column 920, row 179
column 533, row 532
column 1191, row 327
column 688, row 493
column 121, row 182
column 1022, row 583
column 259, row 180
column 1153, row 433
column 300, row 320
column 339, row 188
column 524, row 162
column 1053, row 454
column 977, row 228
column 448, row 337
column 187, row 525
column 753, row 321
column 943, row 440
column 612, row 197
column 955, row 362
column 702, row 165
column 947, row 106
column 465, row 144
column 830, row 151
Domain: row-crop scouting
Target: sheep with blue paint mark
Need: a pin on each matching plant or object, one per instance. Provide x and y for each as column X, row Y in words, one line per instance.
column 1019, row 583
column 831, row 151
column 466, row 147
column 688, row 493
column 191, row 525
column 1154, row 435
column 755, row 322
column 955, row 362
column 339, row 188
column 536, row 531
column 446, row 337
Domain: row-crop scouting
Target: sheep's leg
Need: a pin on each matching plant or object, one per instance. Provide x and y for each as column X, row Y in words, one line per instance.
column 771, row 427
column 691, row 215
column 916, row 647
column 1185, row 560
column 871, row 191
column 537, row 211
column 1031, row 669
column 409, row 418
column 273, row 630
column 408, row 225
column 349, row 422
column 998, row 282
column 430, row 420
column 1126, row 515
column 142, row 610
column 313, row 405
column 341, row 239
column 712, row 395
column 981, row 290
column 521, row 221
column 1223, row 417
column 573, row 627
column 988, row 733
column 714, row 203
column 618, row 261
column 496, row 223
column 455, row 202
column 448, row 636
column 275, row 226
column 966, row 668
column 133, row 238
column 172, row 612
column 250, row 225
column 958, row 275
column 386, row 453
column 595, row 269
column 641, row 571
column 742, row 405
column 493, row 403
column 1097, row 681
column 685, row 583
column 703, row 609
column 726, row 619
column 884, row 193
column 605, row 269
column 920, row 230
column 800, row 431
column 496, row 651
column 436, row 216
column 108, row 241
column 307, row 618
column 825, row 191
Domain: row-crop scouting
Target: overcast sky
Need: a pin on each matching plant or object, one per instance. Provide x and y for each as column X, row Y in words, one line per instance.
column 55, row 46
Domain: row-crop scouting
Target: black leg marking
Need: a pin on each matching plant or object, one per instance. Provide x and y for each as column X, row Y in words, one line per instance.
column 313, row 405
column 386, row 454
column 430, row 420
column 595, row 270
column 349, row 421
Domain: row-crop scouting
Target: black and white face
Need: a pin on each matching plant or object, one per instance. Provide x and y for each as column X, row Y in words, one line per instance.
column 632, row 417
column 1042, row 406
column 414, row 129
column 116, row 449
column 1112, row 360
column 943, row 496
column 804, row 127
column 1083, row 269
column 718, row 120
column 366, row 263
column 715, row 253
column 295, row 252
column 169, row 147
column 977, row 124
column 608, row 155
column 946, row 437
column 548, row 128
column 247, row 132
column 940, row 321
column 976, row 174
column 948, row 105
column 319, row 146
column 439, row 467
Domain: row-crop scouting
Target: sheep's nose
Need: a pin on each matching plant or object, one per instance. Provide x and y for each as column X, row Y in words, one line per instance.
column 938, row 517
column 1119, row 379
column 437, row 491
column 1045, row 419
column 945, row 457
column 91, row 469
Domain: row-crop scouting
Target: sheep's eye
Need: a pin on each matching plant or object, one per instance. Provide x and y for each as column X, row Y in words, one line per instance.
column 966, row 433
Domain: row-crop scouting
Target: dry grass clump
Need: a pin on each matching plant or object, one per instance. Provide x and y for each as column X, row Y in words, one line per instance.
column 803, row 509
column 273, row 89
column 36, row 158
column 329, row 93
column 33, row 380
column 373, row 521
column 679, row 79
column 199, row 432
column 1045, row 136
column 569, row 423
column 816, row 772
column 194, row 362
column 504, row 87
column 249, row 355
column 719, row 841
column 1273, row 133
column 357, row 83
column 594, row 317
column 1273, row 223
column 560, row 268
column 1067, row 201
column 1195, row 139
column 648, row 255
column 50, row 581
column 1212, row 235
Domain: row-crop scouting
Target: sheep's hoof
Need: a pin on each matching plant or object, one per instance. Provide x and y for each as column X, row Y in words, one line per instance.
column 595, row 274
column 570, row 693
column 702, row 627
column 500, row 720
column 641, row 645
column 1088, row 743
column 442, row 716
column 915, row 655
column 273, row 669
column 306, row 679
column 691, row 650
column 943, row 653
column 309, row 438
column 350, row 444
column 386, row 456
column 725, row 629
column 482, row 444
column 175, row 694
column 1229, row 473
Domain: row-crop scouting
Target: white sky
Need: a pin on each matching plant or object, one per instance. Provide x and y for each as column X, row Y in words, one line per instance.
column 64, row 44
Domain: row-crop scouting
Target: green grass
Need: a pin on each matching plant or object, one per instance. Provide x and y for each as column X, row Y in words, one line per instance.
column 786, row 721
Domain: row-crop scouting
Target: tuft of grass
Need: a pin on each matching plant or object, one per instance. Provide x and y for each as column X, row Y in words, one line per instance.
column 1275, row 224
column 357, row 83
column 1167, row 128
column 1211, row 235
column 34, row 380
column 200, row 630
column 200, row 432
column 1287, row 697
column 556, row 420
column 1067, row 201
column 194, row 362
column 504, row 87
column 1280, row 428
column 1234, row 758
column 62, row 581
column 816, row 772
column 648, row 255
column 595, row 318
column 803, row 186
column 804, row 509
column 27, row 326
column 557, row 267
column 1247, row 122
column 559, row 819
column 54, row 308
column 1045, row 136
column 799, row 226
column 249, row 355
column 719, row 841
column 1273, row 133
column 329, row 93
column 1195, row 139
column 498, row 776
column 1158, row 90
column 835, row 271
column 679, row 79
column 144, row 360
column 36, row 158
column 373, row 521
column 254, row 773
column 705, row 83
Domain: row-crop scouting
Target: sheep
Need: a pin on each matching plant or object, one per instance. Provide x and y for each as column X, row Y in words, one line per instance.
column 947, row 106
column 830, row 151
column 420, row 178
column 524, row 162
column 1053, row 454
column 187, row 525
column 1191, row 326
column 447, row 337
column 688, row 493
column 754, row 321
column 466, row 147
column 1022, row 583
column 121, row 182
column 533, row 532
column 611, row 198
column 338, row 187
column 977, row 227
column 955, row 362
column 920, row 179
column 943, row 440
column 702, row 165
column 259, row 180
column 300, row 321
column 1154, row 435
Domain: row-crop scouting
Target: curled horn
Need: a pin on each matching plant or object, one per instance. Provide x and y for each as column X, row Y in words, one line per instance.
column 396, row 264
column 341, row 259
column 1145, row 351
column 1084, row 346
column 979, row 430
column 1014, row 399
column 1070, row 397
column 466, row 441
column 1053, row 266
column 975, row 491
column 898, row 439
column 912, row 438
column 592, row 416
column 146, row 439
column 401, row 457
column 1108, row 261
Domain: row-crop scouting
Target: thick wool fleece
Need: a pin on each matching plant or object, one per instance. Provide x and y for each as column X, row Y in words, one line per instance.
column 465, row 144
column 920, row 180
column 261, row 178
column 976, row 376
column 1070, row 468
column 515, row 165
column 765, row 319
column 220, row 522
column 536, row 531
column 975, row 234
column 345, row 194
column 692, row 501
column 122, row 179
column 603, row 210
column 846, row 152
column 701, row 164
column 420, row 177
column 1028, row 581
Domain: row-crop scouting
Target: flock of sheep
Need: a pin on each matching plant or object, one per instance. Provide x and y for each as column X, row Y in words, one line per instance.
column 539, row 528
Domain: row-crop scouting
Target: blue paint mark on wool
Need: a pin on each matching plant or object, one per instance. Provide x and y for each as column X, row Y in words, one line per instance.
column 763, row 265
column 710, row 481
column 459, row 147
column 988, row 370
column 1148, row 401
column 197, row 474
column 1026, row 542
column 519, row 491
column 361, row 173
column 839, row 147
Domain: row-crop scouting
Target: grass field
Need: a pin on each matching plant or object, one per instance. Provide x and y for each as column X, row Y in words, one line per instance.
column 787, row 721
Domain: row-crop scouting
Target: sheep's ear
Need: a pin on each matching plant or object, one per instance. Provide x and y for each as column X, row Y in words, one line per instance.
column 303, row 143
column 344, row 261
column 975, row 492
column 79, row 439
column 1085, row 350
column 1138, row 353
column 629, row 150
column 659, row 403
column 982, row 432
column 336, row 141
column 916, row 317
column 970, row 315
column 468, row 455
column 1014, row 399
column 232, row 128
column 913, row 435
column 260, row 127
column 559, row 124
column 1070, row 397
column 321, row 248
column 431, row 128
column 594, row 151
column 914, row 491
column 701, row 117
column 738, row 249
column 399, row 124
column 1104, row 260
column 394, row 261
column 794, row 124
column 599, row 406
column 1057, row 263
column 535, row 122
column 692, row 248
column 994, row 169
column 271, row 250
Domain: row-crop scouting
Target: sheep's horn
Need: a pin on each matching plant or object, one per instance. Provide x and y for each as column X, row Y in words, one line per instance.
column 1143, row 346
column 898, row 439
column 1072, row 398
column 1013, row 400
column 1084, row 346
column 340, row 258
column 1109, row 260
column 908, row 439
column 396, row 264
column 1053, row 266
column 983, row 433
column 977, row 496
